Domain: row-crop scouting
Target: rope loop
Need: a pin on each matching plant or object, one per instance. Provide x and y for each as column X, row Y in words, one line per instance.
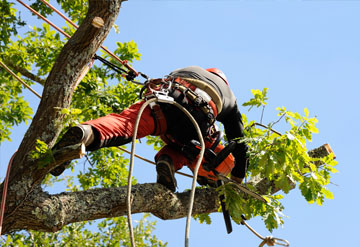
column 269, row 241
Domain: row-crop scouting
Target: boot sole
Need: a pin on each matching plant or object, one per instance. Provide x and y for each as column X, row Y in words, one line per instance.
column 165, row 176
column 73, row 136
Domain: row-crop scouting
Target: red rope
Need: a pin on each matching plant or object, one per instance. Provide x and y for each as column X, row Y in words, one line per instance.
column 123, row 62
column 44, row 19
column 3, row 200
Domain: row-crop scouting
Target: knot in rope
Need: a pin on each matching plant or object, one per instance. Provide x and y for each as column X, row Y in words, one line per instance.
column 269, row 241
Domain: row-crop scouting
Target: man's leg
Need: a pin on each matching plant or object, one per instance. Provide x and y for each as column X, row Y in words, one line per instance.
column 168, row 160
column 117, row 129
column 107, row 131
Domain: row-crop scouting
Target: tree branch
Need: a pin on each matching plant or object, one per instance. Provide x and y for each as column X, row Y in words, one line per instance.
column 25, row 73
column 50, row 213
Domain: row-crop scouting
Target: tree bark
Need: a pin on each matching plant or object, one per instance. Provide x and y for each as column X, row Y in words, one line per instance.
column 50, row 213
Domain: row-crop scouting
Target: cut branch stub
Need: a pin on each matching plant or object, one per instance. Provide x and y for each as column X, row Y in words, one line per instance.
column 97, row 22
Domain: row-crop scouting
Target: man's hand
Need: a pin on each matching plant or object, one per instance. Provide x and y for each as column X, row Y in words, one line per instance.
column 239, row 180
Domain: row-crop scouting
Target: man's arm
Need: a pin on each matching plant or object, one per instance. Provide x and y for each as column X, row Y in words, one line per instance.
column 234, row 128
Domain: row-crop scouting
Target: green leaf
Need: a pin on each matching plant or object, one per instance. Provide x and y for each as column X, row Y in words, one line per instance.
column 306, row 111
column 328, row 194
column 65, row 111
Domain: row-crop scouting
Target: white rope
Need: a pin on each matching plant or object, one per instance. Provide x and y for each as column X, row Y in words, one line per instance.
column 269, row 240
column 128, row 199
column 192, row 194
column 193, row 187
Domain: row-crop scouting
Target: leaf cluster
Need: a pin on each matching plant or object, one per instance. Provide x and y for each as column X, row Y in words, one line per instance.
column 42, row 153
column 112, row 232
column 14, row 108
column 282, row 159
column 258, row 100
column 9, row 23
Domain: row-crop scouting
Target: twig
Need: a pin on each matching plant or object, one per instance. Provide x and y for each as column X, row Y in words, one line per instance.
column 266, row 127
column 262, row 114
column 19, row 79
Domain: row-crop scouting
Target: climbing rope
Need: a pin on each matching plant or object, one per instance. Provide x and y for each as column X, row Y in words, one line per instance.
column 151, row 162
column 192, row 194
column 128, row 198
column 6, row 180
column 4, row 192
column 269, row 240
column 19, row 79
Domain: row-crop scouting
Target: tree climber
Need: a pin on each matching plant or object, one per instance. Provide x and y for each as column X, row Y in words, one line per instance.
column 205, row 93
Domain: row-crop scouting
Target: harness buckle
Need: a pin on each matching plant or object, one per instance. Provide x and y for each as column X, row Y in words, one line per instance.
column 163, row 98
column 163, row 94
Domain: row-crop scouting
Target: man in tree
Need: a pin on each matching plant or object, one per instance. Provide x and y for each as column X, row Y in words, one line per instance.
column 205, row 93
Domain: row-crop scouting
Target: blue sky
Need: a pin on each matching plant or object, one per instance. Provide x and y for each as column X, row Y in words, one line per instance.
column 306, row 52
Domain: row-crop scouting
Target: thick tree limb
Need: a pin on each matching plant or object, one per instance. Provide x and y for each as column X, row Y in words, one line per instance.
column 51, row 212
column 45, row 212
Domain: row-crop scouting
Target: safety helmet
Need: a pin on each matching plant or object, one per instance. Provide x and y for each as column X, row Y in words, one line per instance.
column 218, row 73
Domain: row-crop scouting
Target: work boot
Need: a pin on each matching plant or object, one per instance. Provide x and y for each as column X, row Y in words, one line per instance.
column 74, row 135
column 165, row 172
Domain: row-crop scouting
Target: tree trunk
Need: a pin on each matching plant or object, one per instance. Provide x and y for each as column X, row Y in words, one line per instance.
column 25, row 175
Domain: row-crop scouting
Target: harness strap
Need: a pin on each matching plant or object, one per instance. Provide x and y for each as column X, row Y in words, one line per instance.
column 160, row 120
column 209, row 90
column 198, row 97
column 197, row 92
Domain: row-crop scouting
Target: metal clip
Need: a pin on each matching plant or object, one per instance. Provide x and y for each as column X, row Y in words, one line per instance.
column 163, row 96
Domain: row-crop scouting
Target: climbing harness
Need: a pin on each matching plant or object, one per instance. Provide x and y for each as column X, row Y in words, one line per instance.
column 196, row 100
